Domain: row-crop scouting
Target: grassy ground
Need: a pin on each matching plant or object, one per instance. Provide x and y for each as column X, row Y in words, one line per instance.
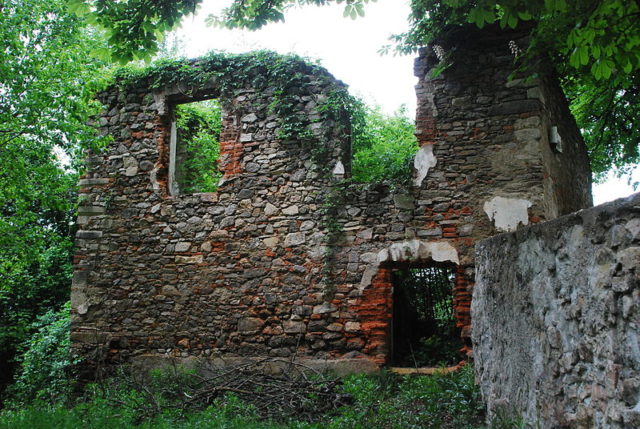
column 378, row 401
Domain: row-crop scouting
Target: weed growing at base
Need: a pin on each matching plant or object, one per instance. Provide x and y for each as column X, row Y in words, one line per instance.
column 383, row 400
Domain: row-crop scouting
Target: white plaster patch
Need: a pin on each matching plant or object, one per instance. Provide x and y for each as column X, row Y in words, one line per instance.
column 423, row 162
column 555, row 138
column 153, row 177
column 411, row 250
column 79, row 302
column 507, row 213
column 338, row 170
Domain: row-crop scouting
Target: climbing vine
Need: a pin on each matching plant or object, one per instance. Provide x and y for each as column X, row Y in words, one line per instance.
column 287, row 78
column 336, row 117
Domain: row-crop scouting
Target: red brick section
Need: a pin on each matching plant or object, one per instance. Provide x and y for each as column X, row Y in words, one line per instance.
column 374, row 309
column 462, row 306
column 427, row 124
column 231, row 149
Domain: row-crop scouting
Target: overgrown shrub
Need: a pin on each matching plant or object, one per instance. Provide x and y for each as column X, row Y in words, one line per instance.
column 381, row 401
column 447, row 400
column 44, row 361
column 383, row 146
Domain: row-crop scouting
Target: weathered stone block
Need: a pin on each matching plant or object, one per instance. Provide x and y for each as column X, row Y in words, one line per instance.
column 94, row 181
column 294, row 327
column 551, row 303
column 88, row 235
column 294, row 239
column 197, row 259
column 250, row 324
column 91, row 210
column 514, row 107
column 182, row 246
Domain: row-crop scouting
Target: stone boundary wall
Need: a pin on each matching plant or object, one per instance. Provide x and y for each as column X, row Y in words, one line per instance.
column 556, row 319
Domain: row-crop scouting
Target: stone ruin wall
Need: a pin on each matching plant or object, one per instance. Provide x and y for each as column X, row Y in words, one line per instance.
column 556, row 319
column 242, row 272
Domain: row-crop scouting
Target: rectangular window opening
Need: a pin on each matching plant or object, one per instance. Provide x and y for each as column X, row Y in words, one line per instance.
column 424, row 332
column 195, row 147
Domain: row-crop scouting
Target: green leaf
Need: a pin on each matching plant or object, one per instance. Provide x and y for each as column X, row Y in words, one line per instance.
column 525, row 16
column 583, row 54
column 489, row 16
column 476, row 17
column 607, row 68
column 561, row 5
column 596, row 70
column 574, row 59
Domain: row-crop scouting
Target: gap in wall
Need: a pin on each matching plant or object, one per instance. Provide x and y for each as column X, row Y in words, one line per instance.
column 424, row 332
column 195, row 147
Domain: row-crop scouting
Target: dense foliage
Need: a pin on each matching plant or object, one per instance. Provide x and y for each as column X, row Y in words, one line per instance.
column 45, row 361
column 47, row 79
column 135, row 28
column 383, row 146
column 198, row 125
column 378, row 401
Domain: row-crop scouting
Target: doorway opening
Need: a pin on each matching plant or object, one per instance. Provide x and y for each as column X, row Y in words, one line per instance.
column 424, row 332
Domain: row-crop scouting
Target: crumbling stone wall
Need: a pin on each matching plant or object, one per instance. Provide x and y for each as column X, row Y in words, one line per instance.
column 284, row 260
column 556, row 318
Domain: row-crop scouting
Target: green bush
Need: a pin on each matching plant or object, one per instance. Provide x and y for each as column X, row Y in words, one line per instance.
column 448, row 400
column 199, row 125
column 383, row 146
column 437, row 350
column 44, row 361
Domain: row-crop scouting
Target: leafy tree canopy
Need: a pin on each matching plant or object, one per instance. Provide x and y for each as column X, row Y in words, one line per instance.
column 135, row 28
column 47, row 81
column 383, row 145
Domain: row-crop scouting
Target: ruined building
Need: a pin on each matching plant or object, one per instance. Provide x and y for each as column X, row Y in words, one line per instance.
column 286, row 258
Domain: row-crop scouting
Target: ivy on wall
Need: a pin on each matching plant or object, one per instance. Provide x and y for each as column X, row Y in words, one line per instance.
column 284, row 77
column 344, row 119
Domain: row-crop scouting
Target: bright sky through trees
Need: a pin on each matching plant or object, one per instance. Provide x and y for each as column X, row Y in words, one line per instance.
column 347, row 48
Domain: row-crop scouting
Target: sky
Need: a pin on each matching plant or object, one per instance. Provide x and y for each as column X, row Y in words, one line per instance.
column 347, row 48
